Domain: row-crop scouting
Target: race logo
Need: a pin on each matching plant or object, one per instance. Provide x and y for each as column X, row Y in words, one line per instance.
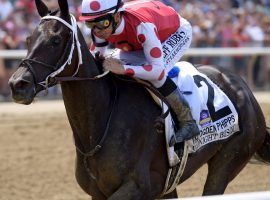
column 205, row 118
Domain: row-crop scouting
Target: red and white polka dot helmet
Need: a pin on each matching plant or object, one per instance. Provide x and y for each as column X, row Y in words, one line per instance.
column 92, row 9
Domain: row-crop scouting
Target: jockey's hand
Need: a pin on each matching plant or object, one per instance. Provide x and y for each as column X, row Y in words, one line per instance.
column 113, row 65
column 99, row 57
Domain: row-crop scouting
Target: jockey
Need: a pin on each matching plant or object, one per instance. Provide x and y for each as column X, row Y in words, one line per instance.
column 152, row 28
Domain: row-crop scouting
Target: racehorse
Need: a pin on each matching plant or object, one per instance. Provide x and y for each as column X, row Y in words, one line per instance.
column 119, row 154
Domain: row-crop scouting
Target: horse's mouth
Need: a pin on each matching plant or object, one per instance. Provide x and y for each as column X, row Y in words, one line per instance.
column 23, row 98
column 22, row 93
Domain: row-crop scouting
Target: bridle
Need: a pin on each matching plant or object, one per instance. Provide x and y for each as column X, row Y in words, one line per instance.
column 28, row 63
column 73, row 42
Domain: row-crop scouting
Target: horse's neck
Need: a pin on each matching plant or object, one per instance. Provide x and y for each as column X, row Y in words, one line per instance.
column 87, row 103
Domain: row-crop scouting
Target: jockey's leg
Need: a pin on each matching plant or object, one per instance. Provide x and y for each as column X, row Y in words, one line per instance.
column 187, row 125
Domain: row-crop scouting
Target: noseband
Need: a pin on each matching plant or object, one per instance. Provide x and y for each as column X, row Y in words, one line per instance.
column 28, row 62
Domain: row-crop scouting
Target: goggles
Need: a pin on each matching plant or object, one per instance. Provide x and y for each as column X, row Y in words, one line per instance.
column 100, row 23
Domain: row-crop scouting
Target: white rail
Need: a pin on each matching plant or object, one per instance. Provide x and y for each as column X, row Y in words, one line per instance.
column 241, row 196
column 253, row 52
column 16, row 54
column 248, row 51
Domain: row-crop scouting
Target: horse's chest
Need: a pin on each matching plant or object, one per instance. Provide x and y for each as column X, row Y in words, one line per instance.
column 105, row 176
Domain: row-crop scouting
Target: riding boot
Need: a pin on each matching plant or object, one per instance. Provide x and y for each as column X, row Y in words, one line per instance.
column 187, row 125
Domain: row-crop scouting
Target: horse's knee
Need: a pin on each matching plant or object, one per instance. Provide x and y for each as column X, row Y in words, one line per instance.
column 214, row 189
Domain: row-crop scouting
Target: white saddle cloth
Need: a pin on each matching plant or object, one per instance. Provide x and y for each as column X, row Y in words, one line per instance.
column 213, row 111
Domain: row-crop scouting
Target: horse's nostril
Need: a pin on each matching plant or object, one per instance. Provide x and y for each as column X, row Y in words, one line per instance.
column 21, row 84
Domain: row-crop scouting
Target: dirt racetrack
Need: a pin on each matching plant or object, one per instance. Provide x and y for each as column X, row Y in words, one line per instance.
column 37, row 156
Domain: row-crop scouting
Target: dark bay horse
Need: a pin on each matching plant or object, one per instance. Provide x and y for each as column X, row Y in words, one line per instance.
column 120, row 156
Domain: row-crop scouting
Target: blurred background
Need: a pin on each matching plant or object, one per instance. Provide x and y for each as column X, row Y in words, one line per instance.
column 216, row 23
column 36, row 145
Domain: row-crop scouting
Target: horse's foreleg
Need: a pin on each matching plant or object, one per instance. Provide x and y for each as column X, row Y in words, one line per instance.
column 130, row 190
column 215, row 184
column 226, row 165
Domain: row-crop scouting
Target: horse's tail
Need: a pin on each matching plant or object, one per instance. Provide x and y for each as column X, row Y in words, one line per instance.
column 263, row 153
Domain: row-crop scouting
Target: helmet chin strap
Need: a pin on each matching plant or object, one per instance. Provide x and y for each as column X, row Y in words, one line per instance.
column 114, row 24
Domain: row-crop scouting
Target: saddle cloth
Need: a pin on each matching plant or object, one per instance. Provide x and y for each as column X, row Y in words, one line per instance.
column 213, row 111
column 215, row 115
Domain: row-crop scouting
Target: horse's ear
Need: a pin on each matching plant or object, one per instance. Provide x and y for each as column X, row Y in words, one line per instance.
column 41, row 8
column 63, row 5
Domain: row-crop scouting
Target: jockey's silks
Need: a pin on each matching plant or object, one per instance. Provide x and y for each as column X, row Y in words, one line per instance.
column 145, row 25
column 165, row 19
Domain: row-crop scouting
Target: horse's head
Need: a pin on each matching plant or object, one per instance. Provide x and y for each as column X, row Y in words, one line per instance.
column 50, row 49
